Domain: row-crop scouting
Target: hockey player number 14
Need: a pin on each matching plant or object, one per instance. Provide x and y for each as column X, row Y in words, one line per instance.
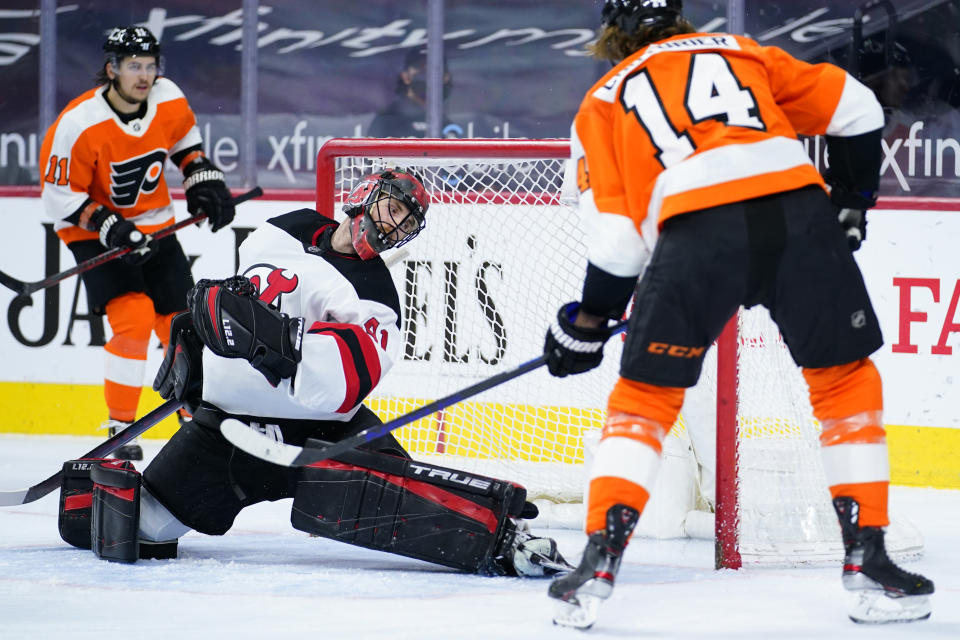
column 713, row 93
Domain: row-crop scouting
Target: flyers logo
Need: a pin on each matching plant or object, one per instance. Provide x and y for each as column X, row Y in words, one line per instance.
column 130, row 178
column 271, row 282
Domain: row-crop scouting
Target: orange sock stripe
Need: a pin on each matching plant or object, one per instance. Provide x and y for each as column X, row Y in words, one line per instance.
column 872, row 498
column 660, row 404
column 131, row 319
column 606, row 491
column 844, row 390
column 121, row 400
column 624, row 425
column 864, row 427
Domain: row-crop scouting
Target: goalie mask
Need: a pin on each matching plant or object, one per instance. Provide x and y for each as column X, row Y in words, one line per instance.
column 377, row 223
column 630, row 15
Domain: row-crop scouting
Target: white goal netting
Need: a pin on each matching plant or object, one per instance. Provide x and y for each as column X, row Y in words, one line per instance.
column 478, row 289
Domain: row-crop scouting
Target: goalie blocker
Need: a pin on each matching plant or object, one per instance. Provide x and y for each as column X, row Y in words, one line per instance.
column 440, row 515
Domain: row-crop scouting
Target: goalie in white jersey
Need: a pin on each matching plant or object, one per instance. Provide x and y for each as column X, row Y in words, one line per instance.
column 291, row 346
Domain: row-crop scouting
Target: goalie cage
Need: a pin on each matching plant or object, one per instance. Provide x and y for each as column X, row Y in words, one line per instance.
column 502, row 250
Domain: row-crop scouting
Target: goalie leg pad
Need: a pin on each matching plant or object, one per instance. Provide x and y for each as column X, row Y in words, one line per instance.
column 401, row 506
column 115, row 516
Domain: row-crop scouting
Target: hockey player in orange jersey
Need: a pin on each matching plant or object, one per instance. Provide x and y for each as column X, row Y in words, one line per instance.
column 104, row 187
column 690, row 172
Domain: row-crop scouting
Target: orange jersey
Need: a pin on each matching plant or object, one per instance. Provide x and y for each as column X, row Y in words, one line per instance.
column 697, row 121
column 90, row 153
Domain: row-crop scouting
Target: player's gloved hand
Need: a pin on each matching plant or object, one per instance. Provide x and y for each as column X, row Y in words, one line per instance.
column 572, row 349
column 119, row 233
column 853, row 210
column 207, row 192
column 181, row 373
column 233, row 323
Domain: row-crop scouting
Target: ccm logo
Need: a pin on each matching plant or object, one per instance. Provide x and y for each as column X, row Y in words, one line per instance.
column 450, row 476
column 675, row 350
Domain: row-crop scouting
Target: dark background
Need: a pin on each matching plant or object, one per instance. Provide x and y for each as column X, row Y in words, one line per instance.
column 518, row 69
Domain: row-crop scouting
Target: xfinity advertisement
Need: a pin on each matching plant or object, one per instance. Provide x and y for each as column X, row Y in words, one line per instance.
column 514, row 69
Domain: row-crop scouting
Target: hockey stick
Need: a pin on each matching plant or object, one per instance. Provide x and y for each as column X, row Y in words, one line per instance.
column 22, row 288
column 260, row 446
column 105, row 448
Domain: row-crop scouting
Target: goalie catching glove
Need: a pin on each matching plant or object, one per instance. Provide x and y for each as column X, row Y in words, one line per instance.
column 572, row 349
column 181, row 373
column 233, row 323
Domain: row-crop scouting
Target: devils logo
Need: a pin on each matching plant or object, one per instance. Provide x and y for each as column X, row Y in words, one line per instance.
column 271, row 282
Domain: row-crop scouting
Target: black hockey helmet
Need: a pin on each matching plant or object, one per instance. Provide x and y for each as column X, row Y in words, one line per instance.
column 629, row 15
column 131, row 41
column 404, row 185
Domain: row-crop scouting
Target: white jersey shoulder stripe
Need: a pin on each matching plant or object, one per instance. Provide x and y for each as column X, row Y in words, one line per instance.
column 858, row 111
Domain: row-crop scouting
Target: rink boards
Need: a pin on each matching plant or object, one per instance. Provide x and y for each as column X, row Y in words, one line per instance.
column 50, row 375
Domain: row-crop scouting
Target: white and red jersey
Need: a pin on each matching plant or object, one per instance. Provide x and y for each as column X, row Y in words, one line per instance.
column 352, row 312
column 697, row 121
column 89, row 152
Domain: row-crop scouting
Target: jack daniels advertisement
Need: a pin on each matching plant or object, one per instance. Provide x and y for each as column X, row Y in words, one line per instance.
column 514, row 69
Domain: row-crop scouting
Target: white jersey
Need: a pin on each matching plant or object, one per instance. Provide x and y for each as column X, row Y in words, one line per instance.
column 352, row 313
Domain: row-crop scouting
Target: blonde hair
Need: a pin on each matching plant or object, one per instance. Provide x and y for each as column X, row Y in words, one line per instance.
column 614, row 44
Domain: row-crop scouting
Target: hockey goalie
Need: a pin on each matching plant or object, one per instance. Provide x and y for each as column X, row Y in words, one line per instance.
column 291, row 347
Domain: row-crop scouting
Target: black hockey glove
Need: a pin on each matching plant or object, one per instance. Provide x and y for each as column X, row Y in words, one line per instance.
column 571, row 349
column 853, row 211
column 233, row 323
column 181, row 373
column 119, row 233
column 207, row 192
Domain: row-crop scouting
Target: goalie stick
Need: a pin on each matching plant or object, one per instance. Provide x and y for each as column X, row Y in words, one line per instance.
column 260, row 446
column 25, row 289
column 108, row 446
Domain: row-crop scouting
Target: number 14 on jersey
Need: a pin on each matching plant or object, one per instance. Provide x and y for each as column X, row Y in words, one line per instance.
column 713, row 92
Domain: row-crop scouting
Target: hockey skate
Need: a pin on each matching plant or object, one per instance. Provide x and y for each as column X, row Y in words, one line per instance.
column 130, row 451
column 882, row 591
column 523, row 554
column 581, row 592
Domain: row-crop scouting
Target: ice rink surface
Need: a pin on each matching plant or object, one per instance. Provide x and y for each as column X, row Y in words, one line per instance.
column 264, row 579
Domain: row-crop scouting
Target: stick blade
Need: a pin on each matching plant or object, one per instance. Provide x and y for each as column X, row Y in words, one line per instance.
column 12, row 498
column 251, row 441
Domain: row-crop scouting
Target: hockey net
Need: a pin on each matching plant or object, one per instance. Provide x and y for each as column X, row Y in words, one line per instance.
column 500, row 253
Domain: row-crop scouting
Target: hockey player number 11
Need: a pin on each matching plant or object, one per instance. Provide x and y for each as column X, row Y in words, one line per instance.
column 713, row 93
